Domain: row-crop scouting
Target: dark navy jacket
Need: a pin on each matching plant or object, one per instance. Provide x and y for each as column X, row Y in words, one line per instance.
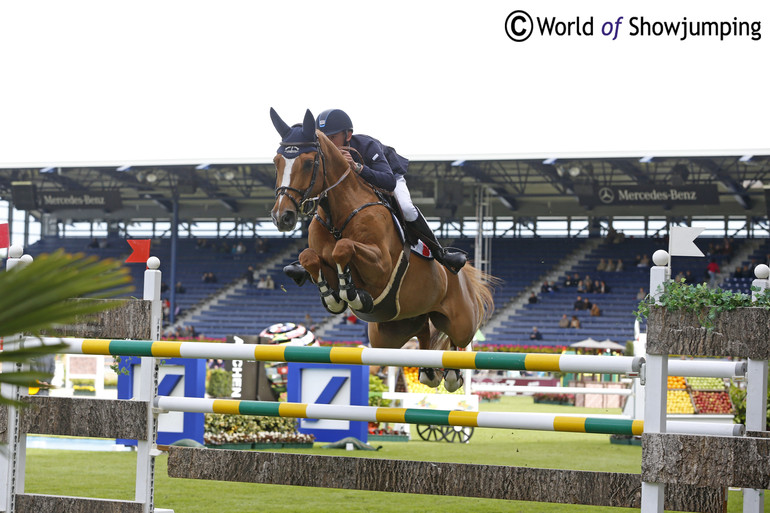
column 382, row 165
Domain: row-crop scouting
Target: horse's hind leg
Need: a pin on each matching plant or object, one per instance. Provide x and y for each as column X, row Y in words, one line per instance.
column 428, row 376
column 460, row 333
column 329, row 297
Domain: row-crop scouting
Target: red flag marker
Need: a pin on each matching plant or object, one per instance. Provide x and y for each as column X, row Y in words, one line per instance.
column 5, row 239
column 141, row 252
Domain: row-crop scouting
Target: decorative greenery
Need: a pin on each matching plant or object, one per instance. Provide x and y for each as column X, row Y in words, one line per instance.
column 34, row 297
column 220, row 383
column 738, row 397
column 702, row 300
column 554, row 398
column 515, row 348
column 488, row 396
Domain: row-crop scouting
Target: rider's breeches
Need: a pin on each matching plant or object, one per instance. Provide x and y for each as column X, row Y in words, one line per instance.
column 404, row 199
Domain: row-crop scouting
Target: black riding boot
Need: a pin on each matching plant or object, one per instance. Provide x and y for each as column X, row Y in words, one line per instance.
column 452, row 260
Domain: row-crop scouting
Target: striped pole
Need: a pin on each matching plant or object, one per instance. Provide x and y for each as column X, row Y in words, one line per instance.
column 608, row 424
column 350, row 355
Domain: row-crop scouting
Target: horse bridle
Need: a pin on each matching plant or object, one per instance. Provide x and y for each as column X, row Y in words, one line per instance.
column 302, row 206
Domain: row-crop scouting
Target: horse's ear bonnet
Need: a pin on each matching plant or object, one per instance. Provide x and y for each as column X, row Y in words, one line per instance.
column 296, row 139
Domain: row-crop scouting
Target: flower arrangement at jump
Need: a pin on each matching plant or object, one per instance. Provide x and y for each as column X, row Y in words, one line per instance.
column 247, row 432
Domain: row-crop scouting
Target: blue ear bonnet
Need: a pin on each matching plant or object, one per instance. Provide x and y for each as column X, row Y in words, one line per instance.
column 295, row 139
column 295, row 143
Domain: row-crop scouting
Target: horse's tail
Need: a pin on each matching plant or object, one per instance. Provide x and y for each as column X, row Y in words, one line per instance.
column 480, row 285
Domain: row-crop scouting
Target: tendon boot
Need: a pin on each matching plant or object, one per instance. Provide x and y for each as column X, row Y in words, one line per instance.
column 453, row 259
column 296, row 272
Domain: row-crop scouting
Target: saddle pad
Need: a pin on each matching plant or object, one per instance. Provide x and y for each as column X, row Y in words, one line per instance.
column 419, row 249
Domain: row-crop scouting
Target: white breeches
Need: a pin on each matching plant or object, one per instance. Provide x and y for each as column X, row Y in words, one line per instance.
column 405, row 200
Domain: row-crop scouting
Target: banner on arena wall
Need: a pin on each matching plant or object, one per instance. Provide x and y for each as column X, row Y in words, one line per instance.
column 612, row 195
column 105, row 200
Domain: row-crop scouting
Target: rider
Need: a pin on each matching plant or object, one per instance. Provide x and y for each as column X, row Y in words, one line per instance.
column 384, row 168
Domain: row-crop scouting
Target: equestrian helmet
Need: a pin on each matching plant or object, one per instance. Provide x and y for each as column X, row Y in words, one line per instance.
column 332, row 121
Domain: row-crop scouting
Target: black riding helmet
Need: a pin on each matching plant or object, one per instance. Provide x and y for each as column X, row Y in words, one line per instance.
column 333, row 121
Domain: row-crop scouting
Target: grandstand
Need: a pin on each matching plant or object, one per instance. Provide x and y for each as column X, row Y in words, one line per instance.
column 540, row 224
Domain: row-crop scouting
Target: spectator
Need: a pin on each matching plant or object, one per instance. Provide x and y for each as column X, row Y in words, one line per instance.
column 535, row 335
column 610, row 267
column 163, row 287
column 532, row 299
column 644, row 261
column 553, row 287
column 741, row 272
column 249, row 275
column 619, row 265
column 602, row 265
column 568, row 281
column 564, row 321
column 94, row 244
column 544, row 288
column 261, row 246
column 601, row 288
column 269, row 283
column 578, row 304
column 689, row 278
column 595, row 310
column 641, row 294
column 575, row 322
column 581, row 287
column 713, row 270
column 587, row 304
column 589, row 283
column 180, row 288
column 679, row 277
column 351, row 318
column 262, row 283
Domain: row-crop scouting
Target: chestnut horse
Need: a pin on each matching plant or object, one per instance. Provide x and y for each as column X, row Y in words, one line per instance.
column 359, row 260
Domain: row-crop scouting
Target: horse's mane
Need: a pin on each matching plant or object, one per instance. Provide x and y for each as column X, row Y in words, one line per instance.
column 339, row 161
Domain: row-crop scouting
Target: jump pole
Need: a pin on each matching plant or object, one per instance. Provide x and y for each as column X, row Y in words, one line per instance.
column 348, row 355
column 608, row 424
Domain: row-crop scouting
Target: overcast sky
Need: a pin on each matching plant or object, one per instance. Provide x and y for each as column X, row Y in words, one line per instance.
column 192, row 81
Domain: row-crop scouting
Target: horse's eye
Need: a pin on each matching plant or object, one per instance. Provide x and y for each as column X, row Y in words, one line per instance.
column 307, row 165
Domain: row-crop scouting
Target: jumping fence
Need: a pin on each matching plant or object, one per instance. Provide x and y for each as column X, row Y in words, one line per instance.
column 692, row 479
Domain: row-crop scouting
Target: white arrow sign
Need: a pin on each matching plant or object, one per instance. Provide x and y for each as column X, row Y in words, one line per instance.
column 680, row 241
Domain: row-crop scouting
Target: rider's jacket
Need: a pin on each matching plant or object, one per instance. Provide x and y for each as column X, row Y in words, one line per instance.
column 382, row 165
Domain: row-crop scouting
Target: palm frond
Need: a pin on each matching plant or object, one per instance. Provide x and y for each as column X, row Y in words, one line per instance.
column 36, row 297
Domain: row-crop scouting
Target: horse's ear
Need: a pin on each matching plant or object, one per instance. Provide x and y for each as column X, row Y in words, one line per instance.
column 279, row 124
column 308, row 126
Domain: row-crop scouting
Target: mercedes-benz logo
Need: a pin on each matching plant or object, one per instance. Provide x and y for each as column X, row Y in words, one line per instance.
column 606, row 195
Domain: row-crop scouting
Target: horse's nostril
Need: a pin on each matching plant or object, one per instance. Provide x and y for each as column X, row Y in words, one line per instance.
column 288, row 218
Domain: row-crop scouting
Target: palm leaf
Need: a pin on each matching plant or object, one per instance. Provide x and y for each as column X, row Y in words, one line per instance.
column 35, row 297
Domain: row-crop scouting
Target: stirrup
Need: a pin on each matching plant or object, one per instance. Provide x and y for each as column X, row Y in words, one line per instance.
column 296, row 272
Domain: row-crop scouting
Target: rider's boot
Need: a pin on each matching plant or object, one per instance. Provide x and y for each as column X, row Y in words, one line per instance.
column 452, row 260
column 296, row 272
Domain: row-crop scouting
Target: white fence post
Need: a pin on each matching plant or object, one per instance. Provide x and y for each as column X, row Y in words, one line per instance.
column 148, row 390
column 756, row 397
column 12, row 456
column 656, row 386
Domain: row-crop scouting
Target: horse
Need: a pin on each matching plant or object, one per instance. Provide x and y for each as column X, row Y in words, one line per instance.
column 358, row 259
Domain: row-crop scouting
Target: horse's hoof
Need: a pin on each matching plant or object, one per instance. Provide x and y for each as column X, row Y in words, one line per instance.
column 296, row 272
column 453, row 380
column 429, row 377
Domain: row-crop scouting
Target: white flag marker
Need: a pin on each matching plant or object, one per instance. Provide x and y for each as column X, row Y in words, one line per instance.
column 680, row 241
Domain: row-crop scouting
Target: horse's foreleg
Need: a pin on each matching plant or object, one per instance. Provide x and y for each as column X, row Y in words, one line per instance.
column 428, row 376
column 329, row 297
column 344, row 252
